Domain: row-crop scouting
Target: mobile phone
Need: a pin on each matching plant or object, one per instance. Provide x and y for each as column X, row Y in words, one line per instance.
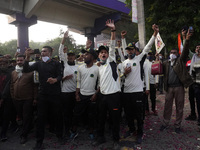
column 190, row 29
column 18, row 49
column 128, row 65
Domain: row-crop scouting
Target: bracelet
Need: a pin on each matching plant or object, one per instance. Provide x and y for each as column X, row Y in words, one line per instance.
column 113, row 30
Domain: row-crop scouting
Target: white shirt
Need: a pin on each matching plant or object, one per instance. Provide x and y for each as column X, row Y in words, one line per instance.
column 70, row 84
column 106, row 81
column 133, row 81
column 87, row 79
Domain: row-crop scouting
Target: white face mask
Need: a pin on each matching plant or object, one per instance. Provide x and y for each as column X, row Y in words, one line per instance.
column 45, row 58
column 160, row 57
column 172, row 57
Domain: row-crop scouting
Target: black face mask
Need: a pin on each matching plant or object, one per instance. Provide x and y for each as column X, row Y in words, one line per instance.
column 37, row 58
column 131, row 56
column 71, row 63
column 150, row 58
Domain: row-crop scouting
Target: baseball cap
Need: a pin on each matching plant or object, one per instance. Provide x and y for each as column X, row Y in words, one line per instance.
column 91, row 51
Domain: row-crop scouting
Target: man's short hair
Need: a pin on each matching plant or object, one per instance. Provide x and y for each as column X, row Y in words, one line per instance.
column 174, row 49
column 21, row 56
column 198, row 44
column 49, row 48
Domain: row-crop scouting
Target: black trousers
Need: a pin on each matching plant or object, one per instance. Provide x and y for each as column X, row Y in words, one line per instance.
column 197, row 95
column 192, row 99
column 110, row 103
column 25, row 111
column 134, row 105
column 9, row 115
column 82, row 107
column 152, row 98
column 161, row 83
column 53, row 103
column 68, row 103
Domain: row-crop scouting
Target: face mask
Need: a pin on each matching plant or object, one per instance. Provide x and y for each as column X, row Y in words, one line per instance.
column 160, row 57
column 45, row 58
column 131, row 56
column 172, row 57
column 150, row 58
column 102, row 61
column 37, row 58
column 71, row 63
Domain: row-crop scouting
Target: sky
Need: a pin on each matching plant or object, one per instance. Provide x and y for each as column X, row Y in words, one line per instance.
column 40, row 32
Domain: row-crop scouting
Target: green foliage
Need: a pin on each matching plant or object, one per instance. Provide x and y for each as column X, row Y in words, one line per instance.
column 10, row 47
column 171, row 16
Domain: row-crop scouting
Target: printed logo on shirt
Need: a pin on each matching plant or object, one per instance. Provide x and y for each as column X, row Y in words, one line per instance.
column 75, row 72
column 92, row 75
column 134, row 64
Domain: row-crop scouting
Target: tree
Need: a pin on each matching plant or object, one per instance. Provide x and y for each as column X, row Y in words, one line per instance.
column 171, row 16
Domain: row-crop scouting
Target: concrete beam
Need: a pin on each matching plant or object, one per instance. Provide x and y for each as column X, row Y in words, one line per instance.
column 10, row 6
column 31, row 7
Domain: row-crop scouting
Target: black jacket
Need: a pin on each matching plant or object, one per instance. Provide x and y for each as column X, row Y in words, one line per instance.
column 46, row 70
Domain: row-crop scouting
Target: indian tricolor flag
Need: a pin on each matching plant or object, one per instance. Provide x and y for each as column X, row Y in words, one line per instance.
column 180, row 45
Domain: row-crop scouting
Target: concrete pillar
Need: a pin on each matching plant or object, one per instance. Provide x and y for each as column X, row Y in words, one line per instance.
column 141, row 24
column 22, row 23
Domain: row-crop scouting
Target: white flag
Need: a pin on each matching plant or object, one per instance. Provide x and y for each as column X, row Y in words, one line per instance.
column 159, row 43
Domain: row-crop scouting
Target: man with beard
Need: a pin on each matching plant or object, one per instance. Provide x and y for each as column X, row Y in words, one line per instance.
column 6, row 103
column 87, row 75
column 49, row 92
column 68, row 83
column 133, row 86
column 24, row 93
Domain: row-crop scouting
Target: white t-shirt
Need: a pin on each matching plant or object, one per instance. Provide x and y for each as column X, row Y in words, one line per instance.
column 106, row 81
column 87, row 79
column 133, row 81
column 70, row 84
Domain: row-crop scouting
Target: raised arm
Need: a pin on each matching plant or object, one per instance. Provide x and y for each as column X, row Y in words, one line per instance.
column 62, row 49
column 27, row 67
column 111, row 25
column 151, row 41
column 124, row 45
column 185, row 51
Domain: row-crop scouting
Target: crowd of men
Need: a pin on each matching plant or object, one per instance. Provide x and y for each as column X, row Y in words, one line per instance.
column 96, row 87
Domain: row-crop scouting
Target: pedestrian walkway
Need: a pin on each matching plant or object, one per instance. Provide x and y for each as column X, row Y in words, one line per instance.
column 153, row 139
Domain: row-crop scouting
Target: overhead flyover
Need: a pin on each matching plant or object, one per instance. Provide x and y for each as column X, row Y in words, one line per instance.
column 82, row 16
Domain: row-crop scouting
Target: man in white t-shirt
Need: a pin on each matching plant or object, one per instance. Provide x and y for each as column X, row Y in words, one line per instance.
column 109, row 82
column 68, row 83
column 133, row 86
column 87, row 75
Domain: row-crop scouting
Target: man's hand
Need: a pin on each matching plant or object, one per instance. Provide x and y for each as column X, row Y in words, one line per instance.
column 67, row 77
column 155, row 29
column 94, row 97
column 78, row 98
column 123, row 33
column 127, row 70
column 110, row 24
column 183, row 32
column 66, row 34
column 28, row 52
column 52, row 80
column 88, row 44
column 147, row 92
column 189, row 34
